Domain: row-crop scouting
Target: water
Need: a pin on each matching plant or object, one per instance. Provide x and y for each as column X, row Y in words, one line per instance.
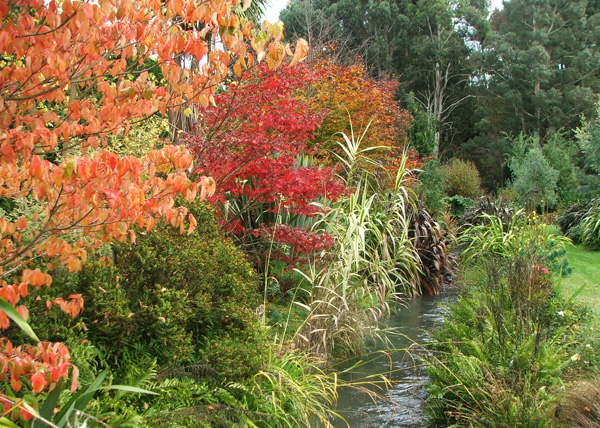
column 402, row 404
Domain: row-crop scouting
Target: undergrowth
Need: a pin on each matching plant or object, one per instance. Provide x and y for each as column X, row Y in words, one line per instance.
column 511, row 339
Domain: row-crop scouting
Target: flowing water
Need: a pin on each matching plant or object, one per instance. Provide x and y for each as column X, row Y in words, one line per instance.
column 402, row 404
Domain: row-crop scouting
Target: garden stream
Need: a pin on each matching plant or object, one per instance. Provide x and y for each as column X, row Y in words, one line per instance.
column 402, row 404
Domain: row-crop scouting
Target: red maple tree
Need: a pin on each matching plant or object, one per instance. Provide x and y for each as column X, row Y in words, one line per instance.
column 253, row 144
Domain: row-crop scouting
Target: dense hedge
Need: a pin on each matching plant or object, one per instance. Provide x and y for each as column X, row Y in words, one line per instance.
column 184, row 299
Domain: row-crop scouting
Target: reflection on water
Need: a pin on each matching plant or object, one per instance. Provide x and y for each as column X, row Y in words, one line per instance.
column 402, row 404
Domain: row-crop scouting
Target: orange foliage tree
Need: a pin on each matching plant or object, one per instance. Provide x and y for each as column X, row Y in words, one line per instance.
column 347, row 91
column 71, row 74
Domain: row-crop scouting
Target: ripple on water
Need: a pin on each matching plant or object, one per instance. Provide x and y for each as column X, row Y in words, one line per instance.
column 402, row 406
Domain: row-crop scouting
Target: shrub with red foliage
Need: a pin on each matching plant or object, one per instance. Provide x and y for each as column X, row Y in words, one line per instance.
column 251, row 142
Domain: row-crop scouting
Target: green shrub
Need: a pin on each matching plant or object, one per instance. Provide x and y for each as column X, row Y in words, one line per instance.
column 175, row 294
column 206, row 275
column 462, row 178
column 501, row 238
column 535, row 181
column 502, row 349
column 591, row 227
column 433, row 186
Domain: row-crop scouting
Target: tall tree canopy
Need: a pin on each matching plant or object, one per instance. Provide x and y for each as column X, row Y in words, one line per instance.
column 543, row 66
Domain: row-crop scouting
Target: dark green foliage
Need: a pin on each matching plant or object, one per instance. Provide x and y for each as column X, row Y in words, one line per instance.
column 434, row 186
column 462, row 178
column 202, row 287
column 7, row 205
column 542, row 57
column 184, row 298
column 237, row 354
column 489, row 155
column 570, row 222
column 124, row 314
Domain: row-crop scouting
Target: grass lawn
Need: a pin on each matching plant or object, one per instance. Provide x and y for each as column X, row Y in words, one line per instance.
column 586, row 270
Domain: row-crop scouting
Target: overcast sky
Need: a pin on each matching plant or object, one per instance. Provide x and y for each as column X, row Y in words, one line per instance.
column 272, row 13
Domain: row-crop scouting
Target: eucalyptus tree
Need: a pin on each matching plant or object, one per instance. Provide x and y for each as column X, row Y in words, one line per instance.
column 542, row 67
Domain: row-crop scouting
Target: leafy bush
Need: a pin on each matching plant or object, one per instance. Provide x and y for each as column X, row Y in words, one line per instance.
column 591, row 227
column 459, row 205
column 462, row 178
column 175, row 294
column 557, row 153
column 502, row 348
column 570, row 222
column 535, row 181
column 496, row 240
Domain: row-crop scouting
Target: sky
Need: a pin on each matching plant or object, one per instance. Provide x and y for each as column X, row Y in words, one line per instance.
column 272, row 12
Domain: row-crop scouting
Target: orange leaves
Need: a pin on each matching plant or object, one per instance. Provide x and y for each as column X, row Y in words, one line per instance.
column 43, row 364
column 193, row 224
column 348, row 90
column 207, row 187
column 65, row 84
column 101, row 196
column 35, row 277
column 78, row 48
column 169, row 158
column 72, row 308
column 301, row 51
column 38, row 382
column 275, row 56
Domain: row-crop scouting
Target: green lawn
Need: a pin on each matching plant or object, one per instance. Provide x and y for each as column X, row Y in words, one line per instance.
column 586, row 270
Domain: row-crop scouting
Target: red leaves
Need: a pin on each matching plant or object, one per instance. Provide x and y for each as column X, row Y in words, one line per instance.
column 43, row 364
column 251, row 142
column 72, row 308
column 300, row 240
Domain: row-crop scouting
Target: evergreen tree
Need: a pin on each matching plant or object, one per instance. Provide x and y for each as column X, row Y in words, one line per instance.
column 543, row 66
